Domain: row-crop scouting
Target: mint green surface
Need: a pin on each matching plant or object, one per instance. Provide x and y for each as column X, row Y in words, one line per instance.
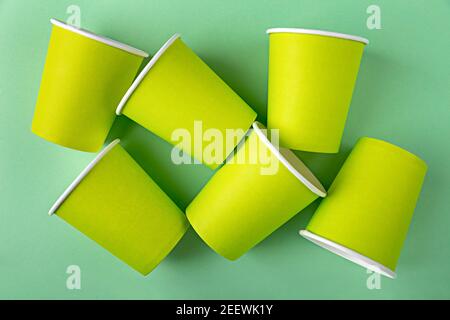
column 402, row 95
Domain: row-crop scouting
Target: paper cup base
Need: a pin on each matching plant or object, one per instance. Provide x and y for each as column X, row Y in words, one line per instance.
column 65, row 143
column 203, row 235
column 348, row 254
column 164, row 253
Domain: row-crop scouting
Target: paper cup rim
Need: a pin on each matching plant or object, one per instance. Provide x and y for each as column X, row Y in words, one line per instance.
column 81, row 176
column 144, row 72
column 348, row 254
column 319, row 32
column 316, row 187
column 99, row 38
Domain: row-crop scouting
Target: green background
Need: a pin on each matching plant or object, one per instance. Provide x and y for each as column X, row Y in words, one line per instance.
column 402, row 95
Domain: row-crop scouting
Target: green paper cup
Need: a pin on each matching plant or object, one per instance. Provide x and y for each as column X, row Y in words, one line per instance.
column 367, row 213
column 311, row 78
column 246, row 200
column 175, row 91
column 116, row 204
column 85, row 76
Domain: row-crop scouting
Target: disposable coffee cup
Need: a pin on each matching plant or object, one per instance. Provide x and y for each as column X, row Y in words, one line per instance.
column 312, row 74
column 85, row 75
column 369, row 207
column 116, row 204
column 176, row 92
column 245, row 201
